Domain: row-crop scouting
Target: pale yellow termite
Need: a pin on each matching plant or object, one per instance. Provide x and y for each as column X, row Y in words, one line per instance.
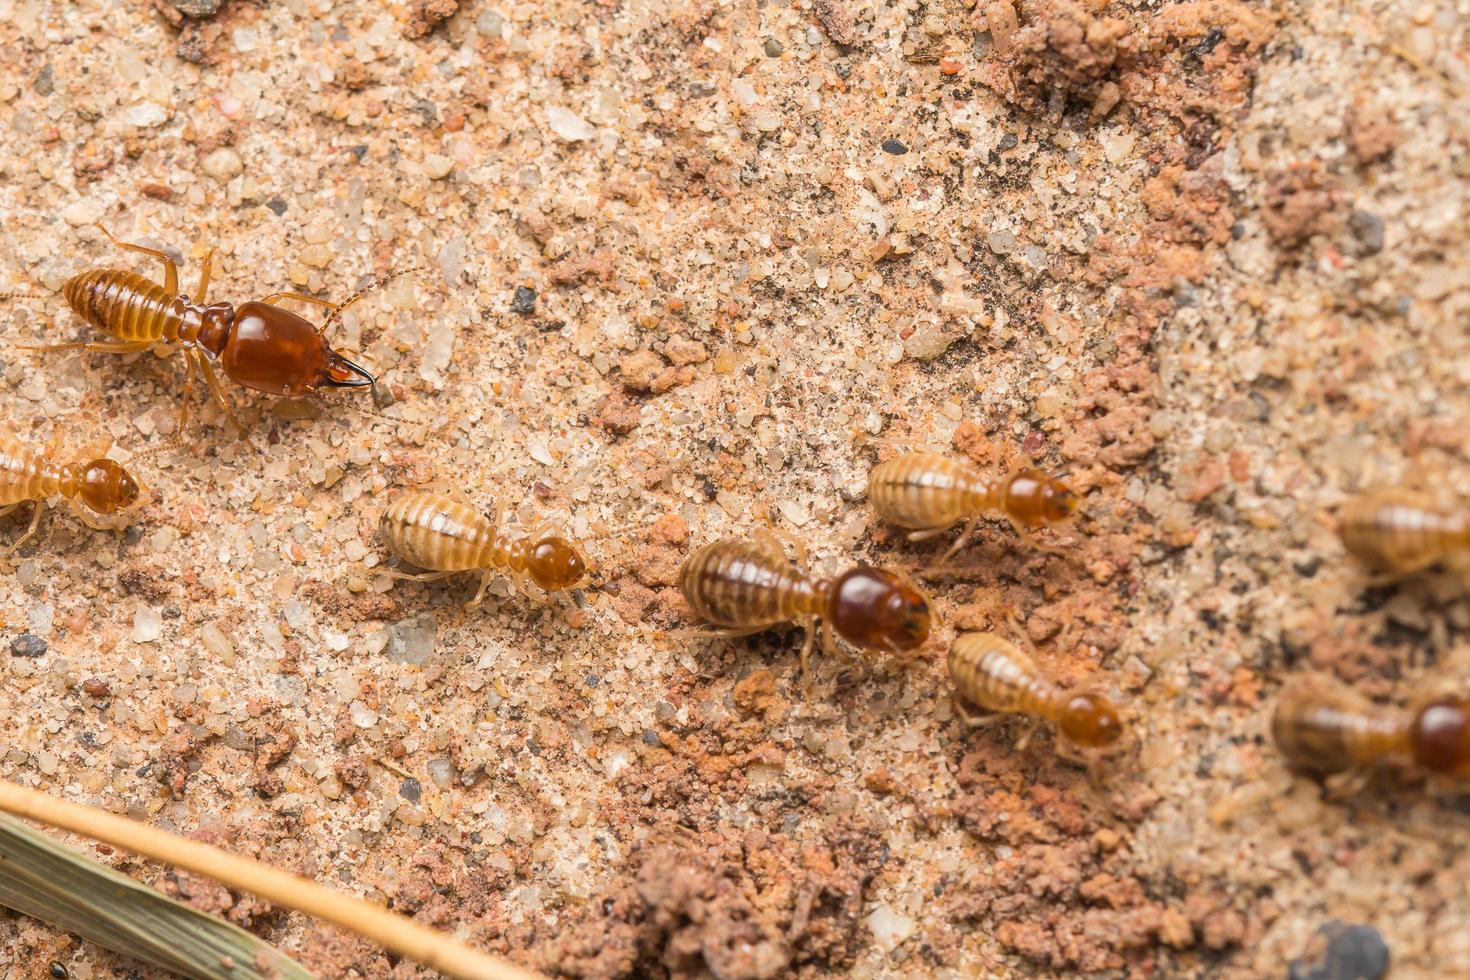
column 1400, row 531
column 444, row 533
column 930, row 494
column 991, row 673
column 101, row 492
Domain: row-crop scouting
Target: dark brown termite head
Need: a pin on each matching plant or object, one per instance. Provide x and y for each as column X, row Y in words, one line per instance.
column 1090, row 720
column 1439, row 737
column 1036, row 499
column 275, row 351
column 878, row 610
column 554, row 563
column 105, row 486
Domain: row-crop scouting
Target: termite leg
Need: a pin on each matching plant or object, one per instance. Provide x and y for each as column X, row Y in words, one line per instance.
column 722, row 633
column 1027, row 732
column 962, row 540
column 417, row 576
column 219, row 395
column 96, row 347
column 189, row 356
column 485, row 576
column 40, row 508
column 91, row 520
column 1029, row 540
column 1341, row 785
column 806, row 649
column 925, row 533
column 170, row 271
column 798, row 547
column 971, row 720
column 205, row 272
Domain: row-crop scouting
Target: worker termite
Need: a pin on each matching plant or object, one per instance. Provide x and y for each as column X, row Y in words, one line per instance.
column 990, row 672
column 745, row 587
column 1322, row 726
column 930, row 494
column 444, row 533
column 257, row 345
column 101, row 492
column 1401, row 531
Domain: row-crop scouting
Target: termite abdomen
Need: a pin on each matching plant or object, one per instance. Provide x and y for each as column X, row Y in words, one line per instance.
column 1401, row 531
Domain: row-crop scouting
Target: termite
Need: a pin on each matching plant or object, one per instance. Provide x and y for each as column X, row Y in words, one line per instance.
column 101, row 492
column 990, row 672
column 1325, row 727
column 257, row 345
column 1401, row 531
column 744, row 587
column 445, row 534
column 930, row 494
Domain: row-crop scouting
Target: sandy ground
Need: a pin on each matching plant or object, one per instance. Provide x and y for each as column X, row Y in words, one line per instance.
column 684, row 261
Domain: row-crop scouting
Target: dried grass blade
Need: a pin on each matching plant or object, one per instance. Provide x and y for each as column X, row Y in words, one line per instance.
column 59, row 885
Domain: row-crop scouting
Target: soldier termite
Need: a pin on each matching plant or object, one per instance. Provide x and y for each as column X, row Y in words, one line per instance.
column 991, row 673
column 1401, row 531
column 1325, row 727
column 444, row 533
column 930, row 494
column 257, row 345
column 745, row 587
column 101, row 492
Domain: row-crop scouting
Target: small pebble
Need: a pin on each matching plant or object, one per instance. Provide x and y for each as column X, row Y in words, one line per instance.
column 197, row 8
column 896, row 147
column 772, row 48
column 410, row 790
column 27, row 645
column 1367, row 229
column 1341, row 951
column 412, row 640
column 567, row 125
column 524, row 300
column 147, row 625
column 223, row 164
column 216, row 642
column 441, row 771
column 437, row 166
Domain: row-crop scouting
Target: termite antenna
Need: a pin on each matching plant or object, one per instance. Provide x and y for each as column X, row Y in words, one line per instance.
column 375, row 284
column 156, row 450
column 619, row 531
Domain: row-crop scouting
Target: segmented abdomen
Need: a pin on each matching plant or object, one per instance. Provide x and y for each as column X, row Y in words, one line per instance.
column 438, row 532
column 124, row 304
column 922, row 490
column 991, row 673
column 1324, row 726
column 1399, row 530
column 24, row 474
column 744, row 584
